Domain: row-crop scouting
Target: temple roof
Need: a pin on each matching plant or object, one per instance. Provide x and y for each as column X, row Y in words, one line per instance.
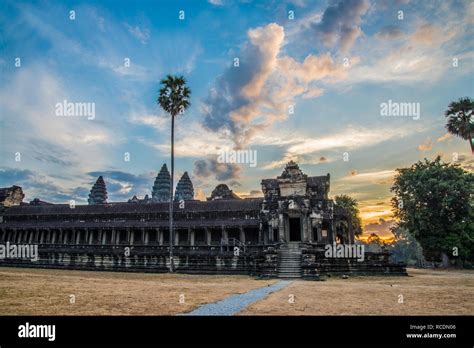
column 318, row 180
column 248, row 204
column 222, row 191
column 313, row 181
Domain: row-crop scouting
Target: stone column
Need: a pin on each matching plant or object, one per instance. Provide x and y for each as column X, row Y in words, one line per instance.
column 242, row 234
column 281, row 227
column 191, row 236
column 176, row 236
column 130, row 236
column 305, row 229
column 160, row 236
column 145, row 236
column 86, row 236
column 208, row 235
column 224, row 235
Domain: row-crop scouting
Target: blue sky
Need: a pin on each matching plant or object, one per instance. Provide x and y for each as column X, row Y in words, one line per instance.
column 283, row 62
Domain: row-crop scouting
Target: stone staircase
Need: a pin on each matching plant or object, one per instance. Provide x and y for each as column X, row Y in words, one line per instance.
column 289, row 262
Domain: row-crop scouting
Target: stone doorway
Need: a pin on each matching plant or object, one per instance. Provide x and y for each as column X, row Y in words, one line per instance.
column 295, row 229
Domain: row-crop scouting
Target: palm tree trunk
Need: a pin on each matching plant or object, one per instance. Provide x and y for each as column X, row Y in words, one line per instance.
column 171, row 196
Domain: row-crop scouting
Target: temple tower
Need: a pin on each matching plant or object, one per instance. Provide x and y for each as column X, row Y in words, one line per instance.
column 161, row 187
column 98, row 193
column 184, row 188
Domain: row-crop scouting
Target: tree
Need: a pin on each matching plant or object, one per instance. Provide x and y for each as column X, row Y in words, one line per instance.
column 174, row 99
column 434, row 202
column 350, row 205
column 405, row 248
column 460, row 122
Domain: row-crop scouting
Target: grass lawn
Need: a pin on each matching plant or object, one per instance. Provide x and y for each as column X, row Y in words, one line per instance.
column 425, row 292
column 47, row 292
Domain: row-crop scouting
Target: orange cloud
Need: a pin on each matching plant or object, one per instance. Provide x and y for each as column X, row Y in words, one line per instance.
column 426, row 146
column 444, row 137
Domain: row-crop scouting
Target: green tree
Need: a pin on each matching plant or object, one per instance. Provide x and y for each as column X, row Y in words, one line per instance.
column 350, row 205
column 374, row 238
column 460, row 122
column 174, row 99
column 434, row 202
column 405, row 248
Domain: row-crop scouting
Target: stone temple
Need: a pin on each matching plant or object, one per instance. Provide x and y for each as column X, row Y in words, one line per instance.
column 282, row 234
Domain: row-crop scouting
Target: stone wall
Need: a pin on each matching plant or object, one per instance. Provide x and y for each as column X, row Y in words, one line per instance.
column 196, row 259
column 315, row 264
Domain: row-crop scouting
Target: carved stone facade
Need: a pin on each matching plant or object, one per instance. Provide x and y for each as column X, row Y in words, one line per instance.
column 296, row 208
column 184, row 188
column 224, row 234
column 161, row 187
column 98, row 193
column 10, row 196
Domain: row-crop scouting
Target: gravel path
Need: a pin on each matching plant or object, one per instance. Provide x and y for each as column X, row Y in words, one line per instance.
column 235, row 303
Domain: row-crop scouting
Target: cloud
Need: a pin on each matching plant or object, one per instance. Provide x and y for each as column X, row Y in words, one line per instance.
column 422, row 55
column 307, row 150
column 36, row 185
column 235, row 100
column 121, row 185
column 142, row 35
column 444, row 137
column 389, row 4
column 220, row 171
column 340, row 24
column 427, row 145
column 29, row 100
column 216, row 2
column 47, row 152
column 71, row 47
column 191, row 141
column 247, row 99
column 381, row 228
column 382, row 177
column 160, row 123
column 251, row 194
column 429, row 34
column 466, row 162
column 12, row 176
column 390, row 32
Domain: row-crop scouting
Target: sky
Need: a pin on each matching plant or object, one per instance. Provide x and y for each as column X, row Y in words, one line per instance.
column 309, row 86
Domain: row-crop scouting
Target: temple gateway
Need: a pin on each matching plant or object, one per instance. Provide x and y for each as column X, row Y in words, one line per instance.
column 283, row 234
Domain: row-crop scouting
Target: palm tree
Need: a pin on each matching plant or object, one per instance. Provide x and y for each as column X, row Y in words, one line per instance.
column 173, row 99
column 460, row 122
column 350, row 205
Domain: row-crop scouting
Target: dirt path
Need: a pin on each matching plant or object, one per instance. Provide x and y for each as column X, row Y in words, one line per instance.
column 235, row 303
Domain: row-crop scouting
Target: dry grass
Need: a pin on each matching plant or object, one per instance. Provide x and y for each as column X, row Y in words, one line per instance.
column 425, row 292
column 47, row 292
